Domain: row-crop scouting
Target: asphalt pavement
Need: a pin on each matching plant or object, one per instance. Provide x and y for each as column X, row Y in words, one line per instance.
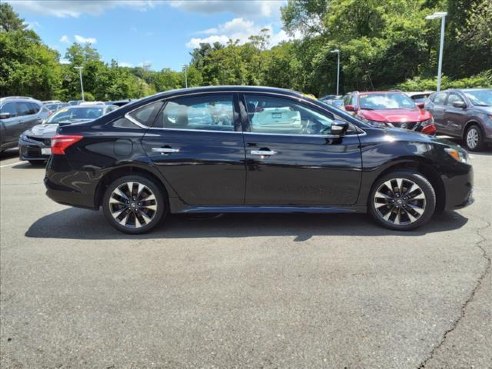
column 241, row 291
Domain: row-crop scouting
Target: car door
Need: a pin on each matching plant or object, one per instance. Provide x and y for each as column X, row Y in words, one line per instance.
column 197, row 144
column 291, row 157
column 12, row 126
column 455, row 117
column 437, row 110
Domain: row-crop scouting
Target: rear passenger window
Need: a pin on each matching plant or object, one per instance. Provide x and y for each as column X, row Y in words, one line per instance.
column 439, row 98
column 23, row 108
column 34, row 108
column 146, row 114
column 213, row 112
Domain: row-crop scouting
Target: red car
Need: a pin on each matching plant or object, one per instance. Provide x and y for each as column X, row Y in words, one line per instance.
column 391, row 109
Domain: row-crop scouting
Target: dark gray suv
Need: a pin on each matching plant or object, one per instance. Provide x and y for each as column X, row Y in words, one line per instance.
column 464, row 113
column 16, row 115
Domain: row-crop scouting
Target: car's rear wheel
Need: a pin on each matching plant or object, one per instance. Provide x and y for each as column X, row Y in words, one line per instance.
column 402, row 200
column 474, row 138
column 134, row 204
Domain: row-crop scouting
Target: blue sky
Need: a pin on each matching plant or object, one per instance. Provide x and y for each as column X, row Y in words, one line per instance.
column 157, row 33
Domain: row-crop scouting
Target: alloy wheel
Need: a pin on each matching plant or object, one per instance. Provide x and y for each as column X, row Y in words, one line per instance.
column 399, row 201
column 472, row 138
column 133, row 205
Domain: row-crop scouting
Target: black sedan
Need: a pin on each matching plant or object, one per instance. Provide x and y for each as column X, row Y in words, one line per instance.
column 251, row 149
column 35, row 143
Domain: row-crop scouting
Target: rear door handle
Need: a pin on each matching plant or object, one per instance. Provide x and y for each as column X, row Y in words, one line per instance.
column 165, row 150
column 263, row 152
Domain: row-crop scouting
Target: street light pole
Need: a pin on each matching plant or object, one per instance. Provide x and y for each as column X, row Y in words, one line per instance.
column 441, row 15
column 186, row 75
column 81, row 83
column 337, row 51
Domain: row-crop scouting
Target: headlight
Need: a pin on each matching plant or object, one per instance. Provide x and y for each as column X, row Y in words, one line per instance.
column 458, row 155
column 23, row 137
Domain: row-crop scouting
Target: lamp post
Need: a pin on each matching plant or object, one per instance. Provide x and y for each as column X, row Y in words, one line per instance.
column 81, row 84
column 186, row 75
column 337, row 51
column 438, row 15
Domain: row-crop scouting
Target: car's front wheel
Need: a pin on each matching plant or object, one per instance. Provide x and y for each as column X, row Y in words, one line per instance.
column 474, row 138
column 402, row 200
column 134, row 204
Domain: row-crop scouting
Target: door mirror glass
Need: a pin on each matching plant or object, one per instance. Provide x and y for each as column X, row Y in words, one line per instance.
column 420, row 105
column 459, row 104
column 5, row 115
column 349, row 108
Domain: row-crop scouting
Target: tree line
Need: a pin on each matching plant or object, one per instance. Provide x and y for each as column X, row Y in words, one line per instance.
column 382, row 45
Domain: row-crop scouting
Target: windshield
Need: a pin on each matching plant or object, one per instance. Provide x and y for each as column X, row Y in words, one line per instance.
column 385, row 100
column 76, row 114
column 480, row 97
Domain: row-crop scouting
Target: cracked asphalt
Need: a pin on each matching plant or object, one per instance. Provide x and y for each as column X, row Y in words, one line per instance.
column 241, row 291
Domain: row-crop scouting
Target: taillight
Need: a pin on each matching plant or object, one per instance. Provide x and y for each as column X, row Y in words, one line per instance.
column 60, row 143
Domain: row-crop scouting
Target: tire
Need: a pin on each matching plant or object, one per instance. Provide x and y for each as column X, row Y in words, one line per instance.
column 136, row 210
column 473, row 138
column 402, row 200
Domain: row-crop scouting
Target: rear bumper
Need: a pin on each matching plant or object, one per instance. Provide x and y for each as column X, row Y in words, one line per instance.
column 459, row 190
column 67, row 196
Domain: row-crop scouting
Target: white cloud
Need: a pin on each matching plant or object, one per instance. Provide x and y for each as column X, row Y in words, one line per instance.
column 74, row 8
column 64, row 61
column 252, row 8
column 85, row 40
column 237, row 29
column 125, row 64
column 33, row 25
column 64, row 39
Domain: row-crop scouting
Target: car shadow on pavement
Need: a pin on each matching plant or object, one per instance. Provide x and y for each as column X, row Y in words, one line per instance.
column 76, row 223
column 9, row 154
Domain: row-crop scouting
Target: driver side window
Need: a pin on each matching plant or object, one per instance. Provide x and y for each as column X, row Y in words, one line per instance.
column 275, row 115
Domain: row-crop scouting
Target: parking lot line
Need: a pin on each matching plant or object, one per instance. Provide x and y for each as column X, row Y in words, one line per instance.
column 9, row 165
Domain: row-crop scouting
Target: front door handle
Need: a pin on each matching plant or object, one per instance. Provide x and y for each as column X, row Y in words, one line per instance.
column 165, row 150
column 263, row 152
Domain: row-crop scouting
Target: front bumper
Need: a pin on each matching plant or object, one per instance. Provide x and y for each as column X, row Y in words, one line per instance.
column 459, row 189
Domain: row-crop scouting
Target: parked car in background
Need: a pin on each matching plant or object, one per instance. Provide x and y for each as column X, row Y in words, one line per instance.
column 251, row 149
column 74, row 102
column 35, row 143
column 464, row 113
column 46, row 102
column 419, row 97
column 390, row 109
column 54, row 107
column 333, row 100
column 119, row 102
column 17, row 114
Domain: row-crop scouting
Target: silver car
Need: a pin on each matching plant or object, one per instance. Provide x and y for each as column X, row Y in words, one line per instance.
column 35, row 143
column 463, row 113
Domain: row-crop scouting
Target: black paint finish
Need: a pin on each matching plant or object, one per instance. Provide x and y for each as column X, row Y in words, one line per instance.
column 215, row 171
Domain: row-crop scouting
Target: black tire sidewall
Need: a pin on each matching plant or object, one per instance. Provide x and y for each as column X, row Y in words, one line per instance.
column 424, row 185
column 480, row 138
column 160, row 199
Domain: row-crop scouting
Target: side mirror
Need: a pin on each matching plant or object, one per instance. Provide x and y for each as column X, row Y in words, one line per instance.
column 4, row 115
column 349, row 108
column 420, row 105
column 339, row 128
column 459, row 104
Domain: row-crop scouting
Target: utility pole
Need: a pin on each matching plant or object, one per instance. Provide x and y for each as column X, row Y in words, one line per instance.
column 337, row 51
column 81, row 83
column 442, row 16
